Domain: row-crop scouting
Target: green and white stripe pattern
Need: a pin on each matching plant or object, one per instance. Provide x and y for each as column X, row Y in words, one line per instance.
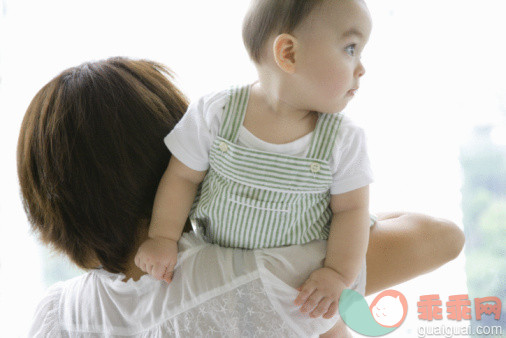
column 255, row 199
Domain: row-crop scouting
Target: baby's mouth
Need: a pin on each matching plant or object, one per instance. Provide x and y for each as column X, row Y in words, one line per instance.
column 352, row 92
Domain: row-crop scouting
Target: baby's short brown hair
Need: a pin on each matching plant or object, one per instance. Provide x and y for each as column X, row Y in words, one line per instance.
column 267, row 17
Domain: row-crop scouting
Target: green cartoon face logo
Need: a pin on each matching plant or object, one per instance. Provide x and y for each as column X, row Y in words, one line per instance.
column 385, row 314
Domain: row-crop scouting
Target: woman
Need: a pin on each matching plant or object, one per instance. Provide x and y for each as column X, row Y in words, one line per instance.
column 90, row 156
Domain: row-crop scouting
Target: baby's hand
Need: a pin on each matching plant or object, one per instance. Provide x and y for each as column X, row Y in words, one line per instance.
column 158, row 257
column 320, row 293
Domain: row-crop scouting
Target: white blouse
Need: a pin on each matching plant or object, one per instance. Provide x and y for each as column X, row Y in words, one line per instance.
column 215, row 292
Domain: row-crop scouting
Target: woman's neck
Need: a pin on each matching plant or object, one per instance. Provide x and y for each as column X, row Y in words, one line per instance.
column 132, row 271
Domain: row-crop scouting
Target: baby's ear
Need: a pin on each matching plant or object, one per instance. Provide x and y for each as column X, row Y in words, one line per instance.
column 284, row 48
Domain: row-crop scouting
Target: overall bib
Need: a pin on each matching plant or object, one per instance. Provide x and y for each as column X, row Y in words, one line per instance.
column 256, row 199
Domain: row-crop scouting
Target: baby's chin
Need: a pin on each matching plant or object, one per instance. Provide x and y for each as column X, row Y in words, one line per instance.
column 332, row 105
column 338, row 108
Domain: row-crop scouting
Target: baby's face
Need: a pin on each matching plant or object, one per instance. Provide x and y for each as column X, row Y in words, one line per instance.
column 328, row 63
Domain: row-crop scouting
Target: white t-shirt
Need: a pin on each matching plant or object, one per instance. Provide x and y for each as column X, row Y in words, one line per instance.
column 191, row 139
column 215, row 292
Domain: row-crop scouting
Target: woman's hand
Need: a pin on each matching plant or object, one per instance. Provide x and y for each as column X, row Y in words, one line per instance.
column 320, row 293
column 158, row 257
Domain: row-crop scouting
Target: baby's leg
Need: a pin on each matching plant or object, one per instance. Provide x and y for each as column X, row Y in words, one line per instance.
column 405, row 245
column 340, row 330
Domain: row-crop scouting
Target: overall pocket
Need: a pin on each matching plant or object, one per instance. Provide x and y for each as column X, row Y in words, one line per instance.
column 256, row 222
column 239, row 216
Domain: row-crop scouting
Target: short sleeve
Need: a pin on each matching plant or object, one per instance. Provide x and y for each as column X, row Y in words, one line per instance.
column 350, row 163
column 191, row 139
column 46, row 322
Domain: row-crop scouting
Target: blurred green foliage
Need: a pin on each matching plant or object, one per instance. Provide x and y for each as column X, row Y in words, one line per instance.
column 484, row 211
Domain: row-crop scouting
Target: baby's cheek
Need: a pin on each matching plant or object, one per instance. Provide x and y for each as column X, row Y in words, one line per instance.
column 336, row 86
column 327, row 83
column 333, row 81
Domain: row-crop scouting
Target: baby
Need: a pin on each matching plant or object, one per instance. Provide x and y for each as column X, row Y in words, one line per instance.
column 274, row 163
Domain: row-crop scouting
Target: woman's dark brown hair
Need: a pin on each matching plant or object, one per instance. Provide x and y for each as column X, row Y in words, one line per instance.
column 91, row 154
column 267, row 17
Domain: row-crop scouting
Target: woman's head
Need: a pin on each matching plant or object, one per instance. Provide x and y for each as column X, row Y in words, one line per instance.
column 91, row 154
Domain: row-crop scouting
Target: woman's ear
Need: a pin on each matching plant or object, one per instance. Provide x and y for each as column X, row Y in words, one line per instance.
column 284, row 49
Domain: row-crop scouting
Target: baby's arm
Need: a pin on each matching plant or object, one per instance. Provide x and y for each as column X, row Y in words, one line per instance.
column 174, row 198
column 346, row 249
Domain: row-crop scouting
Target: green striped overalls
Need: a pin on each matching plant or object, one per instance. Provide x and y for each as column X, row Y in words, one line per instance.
column 255, row 199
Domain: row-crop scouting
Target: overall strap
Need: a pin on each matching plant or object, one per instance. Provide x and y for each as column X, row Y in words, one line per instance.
column 324, row 136
column 233, row 112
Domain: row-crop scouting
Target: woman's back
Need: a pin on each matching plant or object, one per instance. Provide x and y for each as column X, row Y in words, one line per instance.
column 240, row 296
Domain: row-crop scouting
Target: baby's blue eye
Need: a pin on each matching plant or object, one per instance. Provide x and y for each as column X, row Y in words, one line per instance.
column 351, row 49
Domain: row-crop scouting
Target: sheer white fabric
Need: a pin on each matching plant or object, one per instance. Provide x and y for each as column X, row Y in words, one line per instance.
column 215, row 292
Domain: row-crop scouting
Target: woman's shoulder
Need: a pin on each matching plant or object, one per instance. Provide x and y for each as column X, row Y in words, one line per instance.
column 46, row 318
column 73, row 305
